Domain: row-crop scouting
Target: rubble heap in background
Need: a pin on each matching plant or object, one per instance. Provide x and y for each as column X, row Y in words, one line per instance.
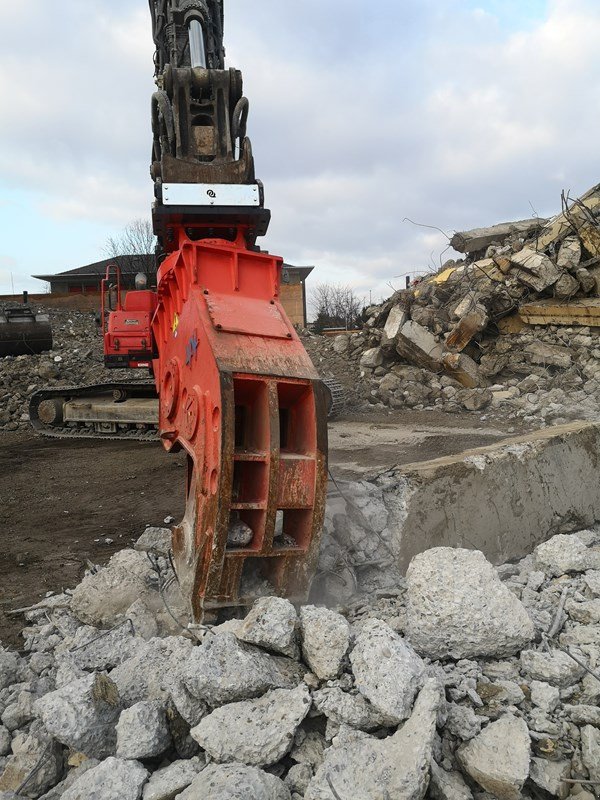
column 514, row 326
column 76, row 359
column 112, row 699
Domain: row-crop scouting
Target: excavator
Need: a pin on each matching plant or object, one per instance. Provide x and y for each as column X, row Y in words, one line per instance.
column 235, row 388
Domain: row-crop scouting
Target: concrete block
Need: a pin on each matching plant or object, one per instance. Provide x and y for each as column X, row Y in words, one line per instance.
column 569, row 254
column 395, row 321
column 535, row 270
column 419, row 346
column 504, row 499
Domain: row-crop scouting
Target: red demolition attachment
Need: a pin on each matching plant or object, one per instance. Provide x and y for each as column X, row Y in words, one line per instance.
column 239, row 394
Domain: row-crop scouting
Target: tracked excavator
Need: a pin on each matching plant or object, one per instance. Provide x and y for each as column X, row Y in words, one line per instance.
column 234, row 387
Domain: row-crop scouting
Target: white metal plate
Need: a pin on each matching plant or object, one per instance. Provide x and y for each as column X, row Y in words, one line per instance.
column 210, row 194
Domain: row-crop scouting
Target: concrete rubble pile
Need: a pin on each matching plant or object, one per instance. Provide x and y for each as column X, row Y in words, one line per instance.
column 76, row 359
column 466, row 681
column 510, row 329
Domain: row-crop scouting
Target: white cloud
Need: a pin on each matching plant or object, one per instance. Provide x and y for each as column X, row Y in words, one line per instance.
column 361, row 115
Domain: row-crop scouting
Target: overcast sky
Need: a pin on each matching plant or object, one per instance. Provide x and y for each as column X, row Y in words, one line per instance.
column 455, row 113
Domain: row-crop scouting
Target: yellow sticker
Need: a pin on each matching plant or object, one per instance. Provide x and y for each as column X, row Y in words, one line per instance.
column 175, row 324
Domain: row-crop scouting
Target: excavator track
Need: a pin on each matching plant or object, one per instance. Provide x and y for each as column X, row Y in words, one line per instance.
column 336, row 397
column 105, row 411
column 51, row 422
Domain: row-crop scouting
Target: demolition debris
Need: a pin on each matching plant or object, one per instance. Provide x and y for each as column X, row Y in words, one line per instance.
column 465, row 681
column 513, row 329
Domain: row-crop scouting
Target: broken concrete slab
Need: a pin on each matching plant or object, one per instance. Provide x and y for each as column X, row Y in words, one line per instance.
column 463, row 369
column 142, row 731
column 308, row 748
column 364, row 767
column 583, row 714
column 395, row 321
column 463, row 722
column 57, row 792
column 255, row 732
column 113, row 779
column 419, row 346
column 448, row 785
column 569, row 254
column 481, row 238
column 271, row 624
column 190, row 708
column 298, row 779
column 590, row 751
column 586, row 279
column 168, row 782
column 534, row 269
column 562, row 554
column 590, row 237
column 354, row 710
column 549, row 355
column 561, row 226
column 371, row 359
column 94, row 650
column 457, row 607
column 555, row 668
column 5, row 741
column 12, row 668
column 498, row 759
column 387, row 670
column 155, row 540
column 469, row 325
column 153, row 671
column 83, row 715
column 544, row 695
column 548, row 776
column 587, row 613
column 585, row 311
column 566, row 287
column 224, row 670
column 325, row 640
column 102, row 596
column 235, row 782
column 34, row 767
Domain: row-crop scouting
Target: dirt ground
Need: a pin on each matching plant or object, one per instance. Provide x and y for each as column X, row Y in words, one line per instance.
column 63, row 503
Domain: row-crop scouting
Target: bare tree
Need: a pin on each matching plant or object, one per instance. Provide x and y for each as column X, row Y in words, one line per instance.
column 136, row 239
column 335, row 306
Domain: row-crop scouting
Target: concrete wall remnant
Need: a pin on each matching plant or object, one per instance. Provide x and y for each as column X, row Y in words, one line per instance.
column 502, row 499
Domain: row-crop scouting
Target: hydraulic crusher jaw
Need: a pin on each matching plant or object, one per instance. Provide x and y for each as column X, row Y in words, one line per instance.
column 239, row 394
column 237, row 390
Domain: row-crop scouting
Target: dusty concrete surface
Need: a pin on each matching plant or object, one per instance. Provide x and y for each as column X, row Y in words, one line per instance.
column 373, row 441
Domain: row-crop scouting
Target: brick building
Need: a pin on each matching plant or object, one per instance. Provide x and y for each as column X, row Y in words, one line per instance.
column 86, row 280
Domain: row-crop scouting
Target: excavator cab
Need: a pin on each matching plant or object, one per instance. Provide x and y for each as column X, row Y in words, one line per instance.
column 126, row 326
